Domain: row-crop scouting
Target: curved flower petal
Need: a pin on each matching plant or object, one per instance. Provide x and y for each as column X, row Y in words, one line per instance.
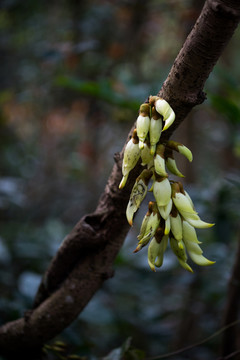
column 185, row 265
column 169, row 121
column 189, row 233
column 165, row 210
column 199, row 224
column 172, row 166
column 195, row 253
column 164, row 109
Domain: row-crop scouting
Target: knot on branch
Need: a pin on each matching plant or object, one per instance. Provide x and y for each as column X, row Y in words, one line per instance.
column 191, row 100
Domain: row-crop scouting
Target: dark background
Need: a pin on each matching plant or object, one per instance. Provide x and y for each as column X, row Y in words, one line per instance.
column 72, row 75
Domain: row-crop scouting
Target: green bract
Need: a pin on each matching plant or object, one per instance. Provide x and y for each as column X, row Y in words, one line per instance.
column 171, row 217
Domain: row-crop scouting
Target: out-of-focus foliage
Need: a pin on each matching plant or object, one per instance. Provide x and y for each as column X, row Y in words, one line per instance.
column 72, row 76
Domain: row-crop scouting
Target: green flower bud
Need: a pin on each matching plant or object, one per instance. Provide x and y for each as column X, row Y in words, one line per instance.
column 130, row 157
column 159, row 161
column 172, row 166
column 171, row 163
column 138, row 194
column 143, row 124
column 180, row 252
column 174, row 145
column 161, row 190
column 185, row 265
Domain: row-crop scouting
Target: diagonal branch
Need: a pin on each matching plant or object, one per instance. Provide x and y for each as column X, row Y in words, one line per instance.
column 87, row 254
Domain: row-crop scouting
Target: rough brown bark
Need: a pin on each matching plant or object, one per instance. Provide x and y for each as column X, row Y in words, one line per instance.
column 87, row 254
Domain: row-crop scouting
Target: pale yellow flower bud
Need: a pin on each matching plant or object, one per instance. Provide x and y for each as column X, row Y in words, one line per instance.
column 176, row 226
column 180, row 200
column 171, row 163
column 159, row 161
column 161, row 190
column 143, row 124
column 155, row 130
column 130, row 158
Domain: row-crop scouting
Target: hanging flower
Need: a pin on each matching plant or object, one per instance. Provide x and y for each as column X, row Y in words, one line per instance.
column 130, row 157
column 143, row 124
column 164, row 109
column 155, row 129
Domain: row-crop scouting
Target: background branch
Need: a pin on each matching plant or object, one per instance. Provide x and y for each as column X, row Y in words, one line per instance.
column 85, row 258
column 229, row 339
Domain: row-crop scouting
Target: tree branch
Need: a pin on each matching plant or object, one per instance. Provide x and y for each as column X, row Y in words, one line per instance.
column 86, row 256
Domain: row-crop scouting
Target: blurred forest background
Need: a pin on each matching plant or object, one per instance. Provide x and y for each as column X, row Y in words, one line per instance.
column 73, row 74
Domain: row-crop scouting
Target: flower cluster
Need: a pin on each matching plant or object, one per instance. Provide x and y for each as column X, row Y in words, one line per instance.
column 172, row 216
